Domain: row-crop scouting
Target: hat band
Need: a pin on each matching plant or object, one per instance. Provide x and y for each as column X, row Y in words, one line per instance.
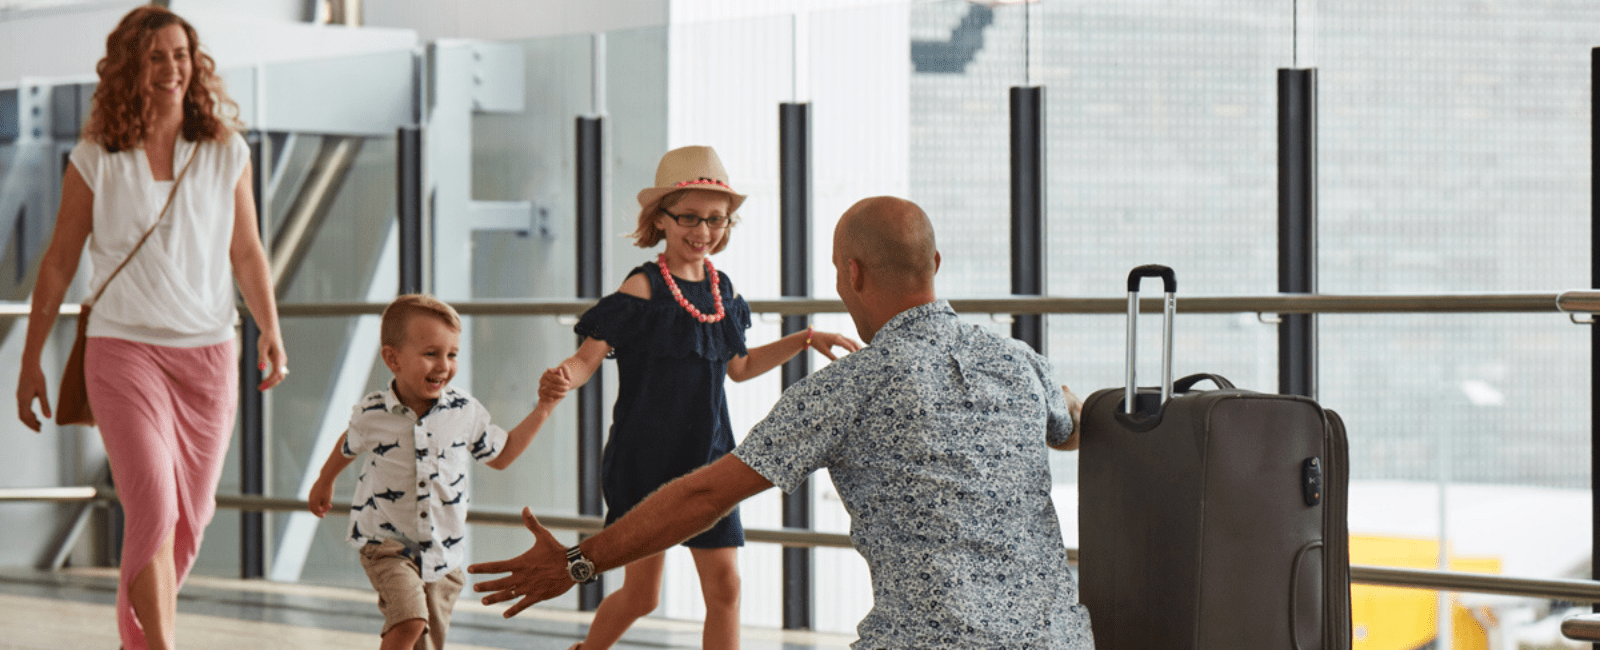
column 704, row 181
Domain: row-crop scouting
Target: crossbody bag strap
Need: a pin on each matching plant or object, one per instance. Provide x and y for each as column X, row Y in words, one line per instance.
column 159, row 216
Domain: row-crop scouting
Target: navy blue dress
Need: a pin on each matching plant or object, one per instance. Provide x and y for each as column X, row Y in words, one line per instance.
column 671, row 415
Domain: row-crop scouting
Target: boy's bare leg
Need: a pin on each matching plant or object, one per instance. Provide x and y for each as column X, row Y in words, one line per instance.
column 404, row 636
column 154, row 595
column 719, row 584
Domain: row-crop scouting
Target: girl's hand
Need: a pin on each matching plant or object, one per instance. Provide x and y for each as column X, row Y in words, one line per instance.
column 274, row 360
column 554, row 384
column 824, row 342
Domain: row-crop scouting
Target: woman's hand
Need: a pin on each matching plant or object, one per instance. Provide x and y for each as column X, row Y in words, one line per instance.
column 31, row 386
column 554, row 384
column 274, row 360
column 824, row 342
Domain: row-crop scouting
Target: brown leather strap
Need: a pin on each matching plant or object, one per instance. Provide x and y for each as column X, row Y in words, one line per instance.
column 159, row 216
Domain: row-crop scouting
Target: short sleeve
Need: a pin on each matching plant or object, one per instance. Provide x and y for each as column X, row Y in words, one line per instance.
column 355, row 442
column 86, row 158
column 238, row 159
column 805, row 428
column 618, row 319
column 1059, row 422
column 487, row 439
column 357, row 435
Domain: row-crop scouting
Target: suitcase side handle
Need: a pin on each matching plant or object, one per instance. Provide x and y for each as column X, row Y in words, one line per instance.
column 1169, row 283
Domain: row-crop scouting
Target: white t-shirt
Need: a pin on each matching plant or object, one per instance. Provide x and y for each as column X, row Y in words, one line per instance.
column 178, row 290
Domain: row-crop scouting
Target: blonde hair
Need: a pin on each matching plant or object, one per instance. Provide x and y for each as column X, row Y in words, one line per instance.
column 400, row 312
column 647, row 234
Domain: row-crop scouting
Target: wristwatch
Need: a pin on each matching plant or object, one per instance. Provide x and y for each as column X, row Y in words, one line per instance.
column 579, row 568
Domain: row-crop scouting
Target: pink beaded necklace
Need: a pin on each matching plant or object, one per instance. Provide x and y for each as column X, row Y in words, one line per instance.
column 716, row 291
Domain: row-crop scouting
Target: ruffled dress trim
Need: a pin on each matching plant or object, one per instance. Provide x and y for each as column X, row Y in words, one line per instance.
column 659, row 327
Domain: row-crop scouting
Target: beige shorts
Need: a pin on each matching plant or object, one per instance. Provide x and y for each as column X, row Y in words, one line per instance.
column 402, row 595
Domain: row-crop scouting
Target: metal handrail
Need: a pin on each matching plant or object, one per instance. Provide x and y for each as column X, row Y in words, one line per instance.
column 797, row 537
column 1569, row 302
column 1575, row 301
column 1583, row 627
column 1578, row 591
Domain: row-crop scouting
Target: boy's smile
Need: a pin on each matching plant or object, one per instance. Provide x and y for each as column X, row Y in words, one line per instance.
column 425, row 363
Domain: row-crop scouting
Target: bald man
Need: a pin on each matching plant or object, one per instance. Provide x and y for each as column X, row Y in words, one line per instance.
column 934, row 435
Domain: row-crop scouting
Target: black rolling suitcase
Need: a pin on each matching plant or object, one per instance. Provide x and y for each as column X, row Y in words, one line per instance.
column 1211, row 519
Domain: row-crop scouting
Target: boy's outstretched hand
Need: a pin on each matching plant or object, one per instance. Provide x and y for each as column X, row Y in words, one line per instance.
column 554, row 384
column 537, row 575
column 321, row 498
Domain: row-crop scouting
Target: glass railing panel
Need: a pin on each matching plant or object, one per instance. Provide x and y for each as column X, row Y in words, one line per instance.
column 339, row 265
column 1474, row 428
column 529, row 156
column 1446, row 165
column 1451, row 149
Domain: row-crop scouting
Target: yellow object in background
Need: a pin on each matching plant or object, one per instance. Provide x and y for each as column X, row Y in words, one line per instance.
column 1400, row 618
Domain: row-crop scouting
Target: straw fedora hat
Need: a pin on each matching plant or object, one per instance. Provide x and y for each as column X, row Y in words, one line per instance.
column 690, row 168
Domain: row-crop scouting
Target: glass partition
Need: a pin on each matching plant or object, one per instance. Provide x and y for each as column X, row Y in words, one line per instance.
column 1454, row 156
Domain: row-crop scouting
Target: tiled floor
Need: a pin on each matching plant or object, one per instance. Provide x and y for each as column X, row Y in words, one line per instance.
column 72, row 610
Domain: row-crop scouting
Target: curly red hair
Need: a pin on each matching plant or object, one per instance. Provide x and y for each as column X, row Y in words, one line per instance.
column 118, row 118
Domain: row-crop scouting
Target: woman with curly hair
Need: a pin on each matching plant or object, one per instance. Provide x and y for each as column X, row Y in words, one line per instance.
column 158, row 164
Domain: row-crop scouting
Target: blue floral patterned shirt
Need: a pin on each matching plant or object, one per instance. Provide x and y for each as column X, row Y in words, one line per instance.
column 935, row 436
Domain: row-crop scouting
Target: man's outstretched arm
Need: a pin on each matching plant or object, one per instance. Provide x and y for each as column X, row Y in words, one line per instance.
column 679, row 510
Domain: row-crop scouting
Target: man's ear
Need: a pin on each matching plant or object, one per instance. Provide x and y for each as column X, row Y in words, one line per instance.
column 858, row 276
column 936, row 261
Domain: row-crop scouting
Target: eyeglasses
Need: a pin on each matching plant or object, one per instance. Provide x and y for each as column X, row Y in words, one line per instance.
column 692, row 221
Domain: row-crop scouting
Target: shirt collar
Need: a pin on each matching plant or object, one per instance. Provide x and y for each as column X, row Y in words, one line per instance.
column 916, row 318
column 392, row 403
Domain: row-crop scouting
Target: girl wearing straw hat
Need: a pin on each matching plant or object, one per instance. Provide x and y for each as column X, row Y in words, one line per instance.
column 676, row 329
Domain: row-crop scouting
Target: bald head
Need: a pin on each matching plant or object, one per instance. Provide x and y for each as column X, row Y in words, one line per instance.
column 892, row 238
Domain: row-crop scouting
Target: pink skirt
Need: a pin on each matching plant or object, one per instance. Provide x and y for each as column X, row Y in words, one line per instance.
column 166, row 416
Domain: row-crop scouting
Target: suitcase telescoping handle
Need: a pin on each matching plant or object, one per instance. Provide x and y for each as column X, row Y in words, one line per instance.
column 1169, row 284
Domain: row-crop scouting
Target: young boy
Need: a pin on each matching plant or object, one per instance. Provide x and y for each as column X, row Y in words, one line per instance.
column 410, row 509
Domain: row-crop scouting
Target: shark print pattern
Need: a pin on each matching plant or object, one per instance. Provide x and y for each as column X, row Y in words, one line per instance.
column 935, row 438
column 406, row 491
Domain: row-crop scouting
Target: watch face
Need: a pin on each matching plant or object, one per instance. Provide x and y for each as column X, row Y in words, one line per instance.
column 581, row 570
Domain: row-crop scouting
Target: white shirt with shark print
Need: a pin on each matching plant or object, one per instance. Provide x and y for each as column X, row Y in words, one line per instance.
column 413, row 485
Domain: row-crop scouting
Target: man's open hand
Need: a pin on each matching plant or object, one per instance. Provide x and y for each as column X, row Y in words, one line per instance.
column 537, row 575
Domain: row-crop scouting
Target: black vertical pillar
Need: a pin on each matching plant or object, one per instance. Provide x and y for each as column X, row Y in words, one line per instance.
column 408, row 185
column 1027, row 207
column 252, row 404
column 794, row 168
column 591, row 405
column 1297, row 226
column 1594, row 329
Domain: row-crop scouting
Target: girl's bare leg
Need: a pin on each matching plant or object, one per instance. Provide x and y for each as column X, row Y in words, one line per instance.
column 639, row 595
column 719, row 583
